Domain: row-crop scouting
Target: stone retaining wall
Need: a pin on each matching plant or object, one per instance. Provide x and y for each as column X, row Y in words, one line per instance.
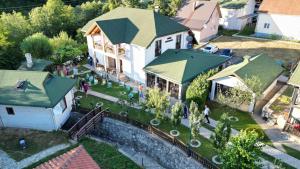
column 164, row 153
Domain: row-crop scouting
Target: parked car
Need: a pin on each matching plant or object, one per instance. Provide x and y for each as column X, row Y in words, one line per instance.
column 210, row 48
column 225, row 52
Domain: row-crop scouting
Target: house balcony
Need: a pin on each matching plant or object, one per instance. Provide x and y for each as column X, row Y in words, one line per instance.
column 111, row 50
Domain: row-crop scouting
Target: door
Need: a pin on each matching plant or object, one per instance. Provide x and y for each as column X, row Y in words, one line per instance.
column 121, row 66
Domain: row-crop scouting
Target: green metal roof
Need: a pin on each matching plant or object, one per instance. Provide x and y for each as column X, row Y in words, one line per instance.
column 38, row 65
column 42, row 89
column 261, row 66
column 183, row 65
column 295, row 78
column 135, row 26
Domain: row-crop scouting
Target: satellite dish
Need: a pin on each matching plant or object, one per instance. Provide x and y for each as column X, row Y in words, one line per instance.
column 189, row 38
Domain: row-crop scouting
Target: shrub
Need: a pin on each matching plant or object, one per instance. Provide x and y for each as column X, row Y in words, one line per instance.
column 260, row 132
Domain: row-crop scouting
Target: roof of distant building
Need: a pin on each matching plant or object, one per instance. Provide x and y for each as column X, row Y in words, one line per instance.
column 195, row 14
column 40, row 89
column 286, row 7
column 261, row 66
column 75, row 158
column 183, row 65
column 134, row 26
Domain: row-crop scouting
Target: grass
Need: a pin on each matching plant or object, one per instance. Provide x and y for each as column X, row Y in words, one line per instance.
column 292, row 152
column 226, row 32
column 285, row 51
column 36, row 141
column 245, row 119
column 230, row 4
column 248, row 30
column 272, row 160
column 106, row 156
column 116, row 90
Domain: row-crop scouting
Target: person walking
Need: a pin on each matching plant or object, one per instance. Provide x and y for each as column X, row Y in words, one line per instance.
column 206, row 113
column 86, row 88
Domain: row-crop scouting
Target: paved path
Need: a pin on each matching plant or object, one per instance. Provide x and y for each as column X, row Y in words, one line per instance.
column 103, row 96
column 139, row 158
column 7, row 162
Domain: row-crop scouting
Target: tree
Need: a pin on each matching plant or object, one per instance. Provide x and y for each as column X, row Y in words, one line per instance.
column 243, row 152
column 176, row 113
column 238, row 95
column 64, row 54
column 131, row 3
column 53, row 17
column 159, row 100
column 110, row 5
column 222, row 133
column 195, row 119
column 88, row 11
column 13, row 29
column 198, row 90
column 38, row 45
column 63, row 39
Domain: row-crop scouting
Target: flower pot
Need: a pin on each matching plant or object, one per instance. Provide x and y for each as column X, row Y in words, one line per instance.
column 154, row 122
column 174, row 133
column 195, row 143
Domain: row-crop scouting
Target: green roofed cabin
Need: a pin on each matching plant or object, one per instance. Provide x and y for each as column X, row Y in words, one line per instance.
column 34, row 99
column 294, row 114
column 175, row 69
column 261, row 66
column 124, row 40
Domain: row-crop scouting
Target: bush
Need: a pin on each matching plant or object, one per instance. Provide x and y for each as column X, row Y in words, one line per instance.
column 260, row 132
column 38, row 45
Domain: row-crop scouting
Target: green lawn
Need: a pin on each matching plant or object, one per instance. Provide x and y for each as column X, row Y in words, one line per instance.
column 106, row 156
column 272, row 160
column 245, row 119
column 292, row 152
column 36, row 141
column 116, row 91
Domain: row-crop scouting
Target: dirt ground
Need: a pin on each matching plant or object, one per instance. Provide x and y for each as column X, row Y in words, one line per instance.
column 286, row 51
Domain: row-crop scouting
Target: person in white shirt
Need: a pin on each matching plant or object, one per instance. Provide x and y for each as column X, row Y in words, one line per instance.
column 206, row 113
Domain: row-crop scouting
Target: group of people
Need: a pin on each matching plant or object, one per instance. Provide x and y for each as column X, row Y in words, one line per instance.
column 206, row 112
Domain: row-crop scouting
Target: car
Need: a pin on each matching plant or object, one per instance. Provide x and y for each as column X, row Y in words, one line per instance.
column 225, row 52
column 210, row 48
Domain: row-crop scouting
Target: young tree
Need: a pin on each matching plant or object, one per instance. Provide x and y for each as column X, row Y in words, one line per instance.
column 243, row 152
column 198, row 90
column 65, row 53
column 222, row 133
column 38, row 45
column 176, row 114
column 63, row 39
column 195, row 119
column 159, row 100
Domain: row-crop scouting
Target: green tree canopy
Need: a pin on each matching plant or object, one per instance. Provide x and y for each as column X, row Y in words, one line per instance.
column 63, row 39
column 159, row 100
column 243, row 152
column 198, row 90
column 53, row 17
column 195, row 119
column 222, row 133
column 87, row 11
column 176, row 113
column 38, row 45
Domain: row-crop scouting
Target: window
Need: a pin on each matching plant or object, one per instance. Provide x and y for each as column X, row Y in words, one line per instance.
column 266, row 25
column 10, row 111
column 63, row 104
column 178, row 41
column 157, row 47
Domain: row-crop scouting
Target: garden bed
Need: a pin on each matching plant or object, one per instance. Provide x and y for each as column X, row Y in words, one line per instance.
column 36, row 141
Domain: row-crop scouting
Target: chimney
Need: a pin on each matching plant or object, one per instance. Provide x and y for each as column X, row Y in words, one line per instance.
column 28, row 60
column 156, row 8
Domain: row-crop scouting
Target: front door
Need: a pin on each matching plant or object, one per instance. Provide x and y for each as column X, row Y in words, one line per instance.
column 111, row 63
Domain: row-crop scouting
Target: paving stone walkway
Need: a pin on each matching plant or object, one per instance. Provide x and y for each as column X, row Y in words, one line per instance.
column 7, row 162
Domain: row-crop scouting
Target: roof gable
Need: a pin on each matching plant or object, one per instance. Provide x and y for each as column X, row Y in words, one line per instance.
column 43, row 89
column 261, row 66
column 183, row 65
column 135, row 26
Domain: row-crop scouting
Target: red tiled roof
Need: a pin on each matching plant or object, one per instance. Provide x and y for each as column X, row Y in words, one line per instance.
column 77, row 158
column 287, row 7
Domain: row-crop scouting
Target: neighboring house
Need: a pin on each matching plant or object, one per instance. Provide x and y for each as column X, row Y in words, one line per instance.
column 74, row 159
column 236, row 14
column 124, row 40
column 234, row 76
column 175, row 69
column 279, row 18
column 202, row 17
column 34, row 100
column 295, row 105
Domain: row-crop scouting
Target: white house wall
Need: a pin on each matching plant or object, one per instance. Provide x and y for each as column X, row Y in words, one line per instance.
column 60, row 116
column 230, row 17
column 28, row 117
column 281, row 25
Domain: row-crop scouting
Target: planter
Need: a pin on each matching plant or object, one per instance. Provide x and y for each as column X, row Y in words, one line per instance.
column 123, row 113
column 195, row 143
column 154, row 122
column 99, row 104
column 217, row 160
column 174, row 133
column 233, row 118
